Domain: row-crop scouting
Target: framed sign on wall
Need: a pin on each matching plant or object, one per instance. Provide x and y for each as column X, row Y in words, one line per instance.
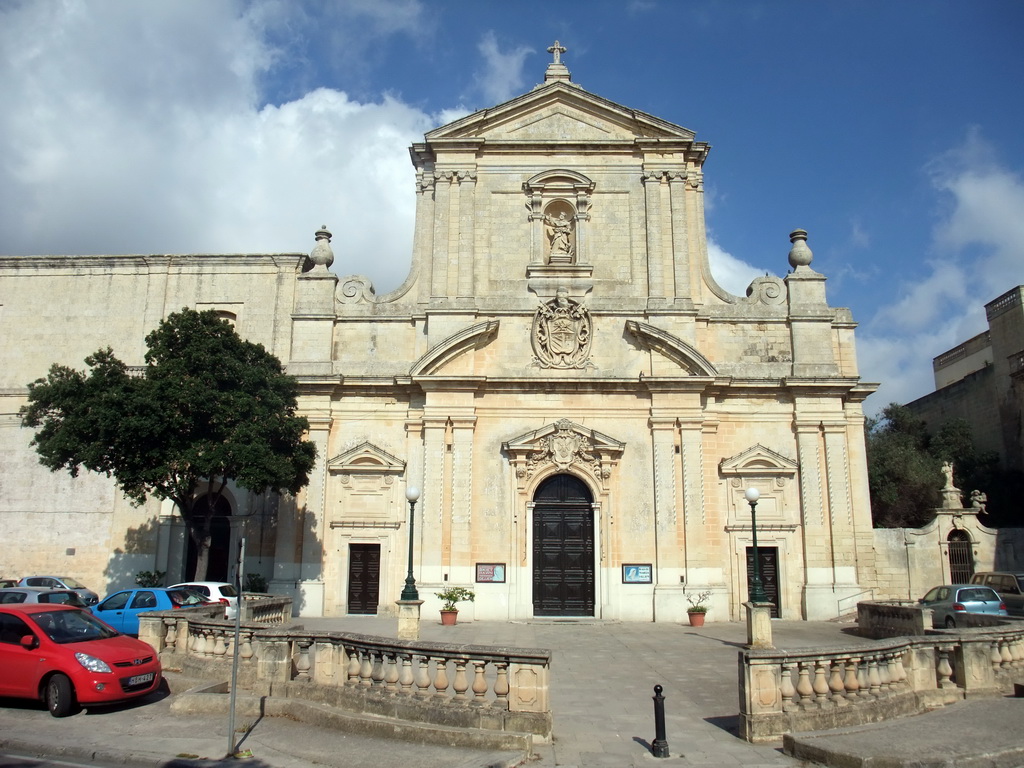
column 490, row 573
column 636, row 573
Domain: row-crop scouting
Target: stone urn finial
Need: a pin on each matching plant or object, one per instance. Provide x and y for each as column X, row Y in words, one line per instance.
column 322, row 255
column 799, row 255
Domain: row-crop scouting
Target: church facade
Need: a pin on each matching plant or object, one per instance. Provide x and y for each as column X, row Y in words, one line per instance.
column 578, row 404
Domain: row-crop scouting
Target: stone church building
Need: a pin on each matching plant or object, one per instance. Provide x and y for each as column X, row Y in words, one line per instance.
column 579, row 403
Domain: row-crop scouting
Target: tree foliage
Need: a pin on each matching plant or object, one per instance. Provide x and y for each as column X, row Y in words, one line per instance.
column 210, row 408
column 904, row 470
column 903, row 477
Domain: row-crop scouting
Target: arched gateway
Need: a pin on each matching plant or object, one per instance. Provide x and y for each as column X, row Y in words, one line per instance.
column 563, row 548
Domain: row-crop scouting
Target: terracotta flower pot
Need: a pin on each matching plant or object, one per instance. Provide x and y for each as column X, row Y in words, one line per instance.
column 448, row 617
column 696, row 618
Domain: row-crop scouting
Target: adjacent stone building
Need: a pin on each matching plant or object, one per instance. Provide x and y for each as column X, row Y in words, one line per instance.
column 579, row 403
column 982, row 381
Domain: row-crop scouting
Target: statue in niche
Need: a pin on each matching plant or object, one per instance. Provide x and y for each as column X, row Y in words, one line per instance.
column 559, row 231
column 561, row 333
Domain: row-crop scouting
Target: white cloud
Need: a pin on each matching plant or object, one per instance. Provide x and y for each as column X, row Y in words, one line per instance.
column 136, row 128
column 978, row 244
column 733, row 274
column 502, row 74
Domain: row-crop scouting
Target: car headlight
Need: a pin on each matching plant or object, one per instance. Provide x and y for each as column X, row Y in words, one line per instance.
column 92, row 663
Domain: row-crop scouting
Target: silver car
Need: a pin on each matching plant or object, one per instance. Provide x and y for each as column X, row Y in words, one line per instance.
column 952, row 600
column 61, row 582
column 41, row 595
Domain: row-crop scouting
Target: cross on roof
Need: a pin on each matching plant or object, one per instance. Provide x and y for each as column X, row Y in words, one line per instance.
column 557, row 50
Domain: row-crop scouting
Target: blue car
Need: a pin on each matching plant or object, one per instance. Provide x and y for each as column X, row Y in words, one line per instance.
column 121, row 610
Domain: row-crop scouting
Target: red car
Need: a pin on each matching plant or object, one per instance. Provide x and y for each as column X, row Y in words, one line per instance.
column 67, row 658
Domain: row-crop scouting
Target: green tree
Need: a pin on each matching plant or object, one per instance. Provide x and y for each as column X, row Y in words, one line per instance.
column 904, row 478
column 210, row 408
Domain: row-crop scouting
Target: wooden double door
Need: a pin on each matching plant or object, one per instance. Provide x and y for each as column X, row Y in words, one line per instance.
column 363, row 578
column 563, row 548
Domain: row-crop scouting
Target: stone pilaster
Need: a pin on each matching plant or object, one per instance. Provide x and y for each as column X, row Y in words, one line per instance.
column 665, row 501
column 431, row 538
column 680, row 261
column 655, row 273
column 442, row 223
column 462, row 490
column 466, row 245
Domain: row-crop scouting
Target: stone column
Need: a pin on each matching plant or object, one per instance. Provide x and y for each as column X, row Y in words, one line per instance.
column 462, row 492
column 467, row 218
column 679, row 251
column 653, row 216
column 314, row 523
column 431, row 505
column 439, row 253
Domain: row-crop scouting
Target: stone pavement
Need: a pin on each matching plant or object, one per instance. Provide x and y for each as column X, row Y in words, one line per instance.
column 603, row 675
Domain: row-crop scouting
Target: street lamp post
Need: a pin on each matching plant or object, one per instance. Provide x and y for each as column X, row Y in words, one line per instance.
column 757, row 594
column 412, row 493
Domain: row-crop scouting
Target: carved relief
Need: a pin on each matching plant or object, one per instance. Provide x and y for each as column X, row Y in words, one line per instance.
column 562, row 333
column 563, row 444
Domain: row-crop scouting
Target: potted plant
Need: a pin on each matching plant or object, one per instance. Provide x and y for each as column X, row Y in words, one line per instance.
column 450, row 596
column 698, row 608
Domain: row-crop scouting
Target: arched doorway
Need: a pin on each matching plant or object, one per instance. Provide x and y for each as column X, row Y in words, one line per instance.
column 563, row 548
column 220, row 541
column 961, row 557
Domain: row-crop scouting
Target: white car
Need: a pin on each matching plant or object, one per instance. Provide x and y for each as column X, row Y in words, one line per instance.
column 215, row 592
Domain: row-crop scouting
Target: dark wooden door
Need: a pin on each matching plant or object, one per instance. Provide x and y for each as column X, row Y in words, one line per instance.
column 363, row 578
column 769, row 557
column 563, row 548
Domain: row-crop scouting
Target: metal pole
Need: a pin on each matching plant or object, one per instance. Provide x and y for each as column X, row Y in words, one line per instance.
column 410, row 592
column 757, row 594
column 234, row 659
column 660, row 746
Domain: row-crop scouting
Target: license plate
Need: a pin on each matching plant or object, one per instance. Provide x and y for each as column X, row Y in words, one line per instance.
column 140, row 679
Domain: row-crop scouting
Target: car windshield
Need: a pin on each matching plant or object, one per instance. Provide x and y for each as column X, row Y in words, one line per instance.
column 186, row 597
column 72, row 583
column 978, row 595
column 72, row 626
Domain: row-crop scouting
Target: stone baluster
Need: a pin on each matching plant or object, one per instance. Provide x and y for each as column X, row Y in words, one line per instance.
column 461, row 684
column 786, row 687
column 207, row 643
column 303, row 663
column 366, row 668
column 501, row 687
column 423, row 676
column 406, row 678
column 884, row 677
column 852, row 682
column 354, row 664
column 378, row 669
column 1007, row 657
column 899, row 671
column 220, row 648
column 874, row 679
column 245, row 652
column 820, row 684
column 863, row 684
column 804, row 687
column 835, row 684
column 1017, row 649
column 391, row 675
column 994, row 656
column 441, row 677
column 479, row 683
column 943, row 669
column 171, row 634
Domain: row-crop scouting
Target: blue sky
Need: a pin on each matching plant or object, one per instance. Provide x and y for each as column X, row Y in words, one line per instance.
column 889, row 130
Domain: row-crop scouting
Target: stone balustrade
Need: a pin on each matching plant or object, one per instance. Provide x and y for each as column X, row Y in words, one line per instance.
column 815, row 689
column 494, row 688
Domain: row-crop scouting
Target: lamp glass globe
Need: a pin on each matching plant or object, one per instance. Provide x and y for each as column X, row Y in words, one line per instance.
column 412, row 493
column 752, row 494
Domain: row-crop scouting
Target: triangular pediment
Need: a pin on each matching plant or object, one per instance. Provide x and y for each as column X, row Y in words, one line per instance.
column 559, row 112
column 537, row 439
column 758, row 460
column 366, row 458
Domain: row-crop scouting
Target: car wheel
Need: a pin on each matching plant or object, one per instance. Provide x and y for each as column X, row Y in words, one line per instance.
column 60, row 697
column 950, row 623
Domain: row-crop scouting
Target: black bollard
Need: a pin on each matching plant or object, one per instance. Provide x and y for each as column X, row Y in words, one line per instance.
column 660, row 746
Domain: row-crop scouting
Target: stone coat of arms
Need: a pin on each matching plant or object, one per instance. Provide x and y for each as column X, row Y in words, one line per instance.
column 561, row 333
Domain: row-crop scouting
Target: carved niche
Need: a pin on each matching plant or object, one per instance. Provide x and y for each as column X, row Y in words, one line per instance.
column 562, row 445
column 562, row 333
